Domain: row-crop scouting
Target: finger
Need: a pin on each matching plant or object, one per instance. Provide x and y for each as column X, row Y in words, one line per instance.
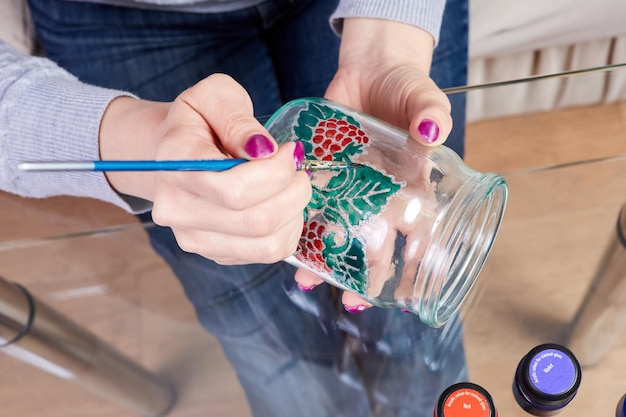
column 307, row 280
column 178, row 194
column 235, row 250
column 380, row 249
column 418, row 231
column 258, row 220
column 428, row 110
column 352, row 303
column 256, row 181
column 410, row 99
column 227, row 108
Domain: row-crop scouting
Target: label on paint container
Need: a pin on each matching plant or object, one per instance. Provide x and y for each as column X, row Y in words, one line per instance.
column 546, row 380
column 552, row 372
column 465, row 400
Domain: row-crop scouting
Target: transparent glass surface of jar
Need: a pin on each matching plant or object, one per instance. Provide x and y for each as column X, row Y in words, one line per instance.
column 404, row 225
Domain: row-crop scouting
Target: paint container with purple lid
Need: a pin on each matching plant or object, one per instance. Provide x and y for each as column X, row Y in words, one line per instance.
column 546, row 380
column 621, row 407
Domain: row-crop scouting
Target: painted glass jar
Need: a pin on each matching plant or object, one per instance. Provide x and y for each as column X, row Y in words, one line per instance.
column 410, row 226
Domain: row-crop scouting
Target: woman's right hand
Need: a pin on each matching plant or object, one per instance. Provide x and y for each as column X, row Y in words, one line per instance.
column 252, row 213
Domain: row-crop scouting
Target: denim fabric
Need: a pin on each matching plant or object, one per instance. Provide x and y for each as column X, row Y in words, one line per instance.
column 295, row 353
column 449, row 69
column 278, row 51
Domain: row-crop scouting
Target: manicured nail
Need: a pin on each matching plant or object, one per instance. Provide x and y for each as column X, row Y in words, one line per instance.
column 259, row 146
column 429, row 129
column 298, row 154
column 404, row 310
column 306, row 289
column 354, row 309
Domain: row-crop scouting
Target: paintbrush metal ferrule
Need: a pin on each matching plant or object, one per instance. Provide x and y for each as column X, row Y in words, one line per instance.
column 316, row 165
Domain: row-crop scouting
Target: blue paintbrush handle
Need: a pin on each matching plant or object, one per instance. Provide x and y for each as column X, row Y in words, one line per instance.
column 184, row 165
column 192, row 165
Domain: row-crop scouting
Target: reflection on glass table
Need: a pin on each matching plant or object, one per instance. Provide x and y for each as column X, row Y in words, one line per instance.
column 111, row 283
column 566, row 169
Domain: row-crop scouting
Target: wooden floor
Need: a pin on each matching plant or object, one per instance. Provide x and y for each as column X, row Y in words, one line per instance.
column 556, row 226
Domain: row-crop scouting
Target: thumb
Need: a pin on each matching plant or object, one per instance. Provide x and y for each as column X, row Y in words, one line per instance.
column 258, row 145
column 229, row 112
column 429, row 115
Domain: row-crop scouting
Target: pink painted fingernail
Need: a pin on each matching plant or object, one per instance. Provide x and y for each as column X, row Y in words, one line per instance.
column 429, row 129
column 404, row 310
column 354, row 309
column 305, row 288
column 298, row 154
column 259, row 146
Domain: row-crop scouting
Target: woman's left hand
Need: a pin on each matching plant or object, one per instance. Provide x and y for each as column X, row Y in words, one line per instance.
column 384, row 71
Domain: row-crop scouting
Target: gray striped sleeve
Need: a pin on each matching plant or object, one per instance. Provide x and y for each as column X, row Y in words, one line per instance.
column 47, row 114
column 426, row 14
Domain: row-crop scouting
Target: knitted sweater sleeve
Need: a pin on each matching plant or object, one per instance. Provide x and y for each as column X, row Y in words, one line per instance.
column 47, row 114
column 426, row 14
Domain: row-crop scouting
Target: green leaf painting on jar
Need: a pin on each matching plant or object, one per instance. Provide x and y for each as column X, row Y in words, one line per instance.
column 346, row 200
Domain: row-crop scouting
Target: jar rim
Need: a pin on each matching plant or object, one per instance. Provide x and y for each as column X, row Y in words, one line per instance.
column 460, row 247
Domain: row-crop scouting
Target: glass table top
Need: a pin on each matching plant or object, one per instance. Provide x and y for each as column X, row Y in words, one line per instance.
column 566, row 170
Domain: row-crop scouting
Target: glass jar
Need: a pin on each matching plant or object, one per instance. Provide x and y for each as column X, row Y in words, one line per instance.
column 407, row 226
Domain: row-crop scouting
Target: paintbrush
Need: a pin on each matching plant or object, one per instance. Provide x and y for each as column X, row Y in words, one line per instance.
column 182, row 165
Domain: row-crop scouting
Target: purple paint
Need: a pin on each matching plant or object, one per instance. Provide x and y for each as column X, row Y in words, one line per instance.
column 551, row 371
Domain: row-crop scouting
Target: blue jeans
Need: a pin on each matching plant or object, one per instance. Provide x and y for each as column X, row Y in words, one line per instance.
column 295, row 354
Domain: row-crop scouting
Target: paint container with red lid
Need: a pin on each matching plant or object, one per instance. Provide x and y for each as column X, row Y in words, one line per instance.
column 465, row 399
column 621, row 407
column 546, row 380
